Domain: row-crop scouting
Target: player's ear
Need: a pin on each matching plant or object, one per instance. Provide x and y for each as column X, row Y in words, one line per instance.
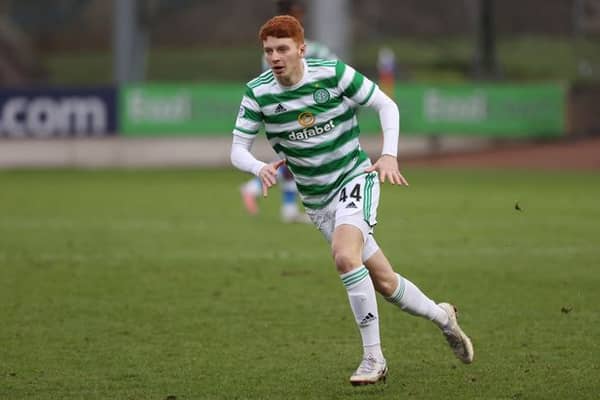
column 302, row 49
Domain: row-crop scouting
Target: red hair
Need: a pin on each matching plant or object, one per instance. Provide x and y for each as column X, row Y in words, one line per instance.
column 282, row 26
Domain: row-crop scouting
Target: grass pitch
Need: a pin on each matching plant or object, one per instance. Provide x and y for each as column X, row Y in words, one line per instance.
column 154, row 284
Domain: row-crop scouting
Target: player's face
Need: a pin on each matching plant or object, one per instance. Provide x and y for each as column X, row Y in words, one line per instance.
column 284, row 57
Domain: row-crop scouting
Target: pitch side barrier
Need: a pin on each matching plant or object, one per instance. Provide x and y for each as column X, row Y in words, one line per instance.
column 492, row 110
column 56, row 112
column 162, row 110
column 489, row 110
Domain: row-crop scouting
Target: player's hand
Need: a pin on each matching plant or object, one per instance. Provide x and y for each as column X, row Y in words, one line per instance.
column 268, row 175
column 387, row 168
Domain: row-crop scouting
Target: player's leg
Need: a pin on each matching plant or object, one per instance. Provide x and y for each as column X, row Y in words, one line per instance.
column 347, row 244
column 289, row 194
column 401, row 291
column 346, row 248
column 251, row 191
column 406, row 295
column 354, row 219
column 290, row 211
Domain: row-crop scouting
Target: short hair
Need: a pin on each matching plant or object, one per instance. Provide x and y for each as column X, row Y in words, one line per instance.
column 282, row 26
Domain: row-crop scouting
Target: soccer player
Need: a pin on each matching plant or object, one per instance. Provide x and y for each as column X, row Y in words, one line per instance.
column 306, row 106
column 252, row 189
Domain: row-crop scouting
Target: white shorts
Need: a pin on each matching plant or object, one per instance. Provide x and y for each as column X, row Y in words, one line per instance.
column 355, row 204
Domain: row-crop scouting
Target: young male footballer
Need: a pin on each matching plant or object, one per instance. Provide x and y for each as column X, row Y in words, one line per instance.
column 308, row 108
column 251, row 191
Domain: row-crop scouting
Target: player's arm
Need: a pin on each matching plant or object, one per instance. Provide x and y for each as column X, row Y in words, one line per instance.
column 242, row 159
column 362, row 91
column 389, row 118
column 246, row 128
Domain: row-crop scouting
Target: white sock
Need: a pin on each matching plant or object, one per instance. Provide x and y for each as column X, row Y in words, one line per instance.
column 253, row 187
column 361, row 294
column 289, row 211
column 410, row 299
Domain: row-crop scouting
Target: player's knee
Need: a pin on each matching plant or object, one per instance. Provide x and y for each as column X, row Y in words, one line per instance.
column 345, row 260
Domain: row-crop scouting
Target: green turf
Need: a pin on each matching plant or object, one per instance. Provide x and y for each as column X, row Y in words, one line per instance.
column 149, row 284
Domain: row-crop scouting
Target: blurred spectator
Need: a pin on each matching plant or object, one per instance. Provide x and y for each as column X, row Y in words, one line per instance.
column 18, row 64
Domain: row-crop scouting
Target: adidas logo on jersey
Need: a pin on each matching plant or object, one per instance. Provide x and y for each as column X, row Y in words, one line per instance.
column 280, row 108
column 351, row 205
column 367, row 319
column 312, row 131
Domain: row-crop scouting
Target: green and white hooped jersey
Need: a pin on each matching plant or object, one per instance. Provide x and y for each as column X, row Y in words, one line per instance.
column 312, row 125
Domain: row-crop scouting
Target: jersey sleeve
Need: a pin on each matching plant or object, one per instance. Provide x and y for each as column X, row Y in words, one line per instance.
column 249, row 117
column 353, row 84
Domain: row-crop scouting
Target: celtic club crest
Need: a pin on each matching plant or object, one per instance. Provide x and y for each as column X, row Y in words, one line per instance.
column 321, row 96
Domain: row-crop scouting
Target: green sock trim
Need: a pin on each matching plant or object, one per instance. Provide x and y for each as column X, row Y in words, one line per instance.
column 355, row 277
column 399, row 292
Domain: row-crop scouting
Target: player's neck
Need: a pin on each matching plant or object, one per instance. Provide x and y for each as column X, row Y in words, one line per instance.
column 295, row 77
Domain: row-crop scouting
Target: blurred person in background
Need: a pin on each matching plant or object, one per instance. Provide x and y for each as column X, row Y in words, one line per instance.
column 252, row 190
column 310, row 125
column 18, row 62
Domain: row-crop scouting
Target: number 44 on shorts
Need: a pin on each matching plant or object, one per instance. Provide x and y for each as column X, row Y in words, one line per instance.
column 354, row 193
